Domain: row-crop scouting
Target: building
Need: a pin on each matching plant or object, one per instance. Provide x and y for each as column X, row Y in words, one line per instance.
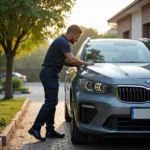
column 133, row 21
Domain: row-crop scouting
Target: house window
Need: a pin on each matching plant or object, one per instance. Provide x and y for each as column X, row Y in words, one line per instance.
column 126, row 35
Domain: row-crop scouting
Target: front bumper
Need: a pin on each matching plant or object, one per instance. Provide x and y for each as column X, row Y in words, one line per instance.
column 109, row 112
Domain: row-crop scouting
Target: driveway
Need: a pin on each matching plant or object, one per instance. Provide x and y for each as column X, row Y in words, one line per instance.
column 21, row 140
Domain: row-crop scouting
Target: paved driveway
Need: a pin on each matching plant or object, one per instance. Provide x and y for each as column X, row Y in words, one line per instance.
column 21, row 140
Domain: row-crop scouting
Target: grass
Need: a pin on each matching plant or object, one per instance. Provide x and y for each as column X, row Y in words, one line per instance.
column 8, row 110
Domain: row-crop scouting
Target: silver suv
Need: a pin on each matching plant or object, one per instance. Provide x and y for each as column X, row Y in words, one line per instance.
column 113, row 96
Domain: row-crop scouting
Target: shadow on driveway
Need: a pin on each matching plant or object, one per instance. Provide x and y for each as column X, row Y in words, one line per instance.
column 95, row 143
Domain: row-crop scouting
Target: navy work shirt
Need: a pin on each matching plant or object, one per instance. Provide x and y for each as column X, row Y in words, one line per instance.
column 55, row 55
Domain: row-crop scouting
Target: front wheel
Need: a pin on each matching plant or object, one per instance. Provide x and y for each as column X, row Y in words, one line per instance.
column 77, row 137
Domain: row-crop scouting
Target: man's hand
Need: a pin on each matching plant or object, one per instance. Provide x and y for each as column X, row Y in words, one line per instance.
column 77, row 62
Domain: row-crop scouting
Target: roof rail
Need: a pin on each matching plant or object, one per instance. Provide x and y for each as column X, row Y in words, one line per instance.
column 145, row 40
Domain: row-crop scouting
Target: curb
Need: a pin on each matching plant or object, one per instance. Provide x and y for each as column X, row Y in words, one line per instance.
column 16, row 92
column 7, row 132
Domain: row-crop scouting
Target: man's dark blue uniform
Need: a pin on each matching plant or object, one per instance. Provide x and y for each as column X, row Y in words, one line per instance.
column 55, row 55
column 49, row 76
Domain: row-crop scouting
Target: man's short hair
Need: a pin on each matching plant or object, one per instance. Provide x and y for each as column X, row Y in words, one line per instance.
column 74, row 29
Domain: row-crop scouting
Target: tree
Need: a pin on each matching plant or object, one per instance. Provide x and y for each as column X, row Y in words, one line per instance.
column 26, row 23
column 108, row 35
column 33, row 60
column 30, row 64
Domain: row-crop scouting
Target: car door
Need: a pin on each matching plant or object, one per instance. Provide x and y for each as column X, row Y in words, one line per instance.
column 70, row 74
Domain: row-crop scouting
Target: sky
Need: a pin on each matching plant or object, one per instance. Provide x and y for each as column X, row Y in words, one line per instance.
column 95, row 13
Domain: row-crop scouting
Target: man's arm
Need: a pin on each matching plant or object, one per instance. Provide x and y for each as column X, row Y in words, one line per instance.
column 76, row 62
column 67, row 63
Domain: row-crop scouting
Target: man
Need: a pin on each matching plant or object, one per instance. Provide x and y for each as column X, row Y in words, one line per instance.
column 49, row 76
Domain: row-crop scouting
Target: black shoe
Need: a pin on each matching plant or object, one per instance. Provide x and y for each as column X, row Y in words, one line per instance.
column 54, row 134
column 36, row 134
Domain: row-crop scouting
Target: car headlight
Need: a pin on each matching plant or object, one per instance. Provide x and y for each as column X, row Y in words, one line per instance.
column 92, row 86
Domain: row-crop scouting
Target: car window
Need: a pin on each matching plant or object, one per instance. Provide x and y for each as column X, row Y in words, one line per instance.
column 147, row 44
column 117, row 52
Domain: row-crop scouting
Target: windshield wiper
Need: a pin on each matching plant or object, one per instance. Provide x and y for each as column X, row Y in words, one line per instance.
column 131, row 62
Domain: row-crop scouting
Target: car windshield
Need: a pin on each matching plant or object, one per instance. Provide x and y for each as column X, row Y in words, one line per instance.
column 117, row 52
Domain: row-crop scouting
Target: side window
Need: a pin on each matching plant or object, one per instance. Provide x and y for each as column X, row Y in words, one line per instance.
column 147, row 44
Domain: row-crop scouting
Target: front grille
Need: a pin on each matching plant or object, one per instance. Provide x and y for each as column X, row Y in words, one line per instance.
column 133, row 94
column 87, row 114
column 126, row 123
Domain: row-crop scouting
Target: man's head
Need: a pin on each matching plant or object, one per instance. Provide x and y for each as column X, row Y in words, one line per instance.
column 73, row 33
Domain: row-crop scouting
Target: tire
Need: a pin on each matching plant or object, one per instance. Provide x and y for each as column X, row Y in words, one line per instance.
column 77, row 137
column 67, row 117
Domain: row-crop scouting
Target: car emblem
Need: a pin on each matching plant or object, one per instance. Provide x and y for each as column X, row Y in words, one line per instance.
column 148, row 81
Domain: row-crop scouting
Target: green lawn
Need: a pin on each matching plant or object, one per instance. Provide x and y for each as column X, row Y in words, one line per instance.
column 8, row 109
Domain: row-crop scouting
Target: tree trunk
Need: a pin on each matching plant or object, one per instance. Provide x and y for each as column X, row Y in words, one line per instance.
column 9, row 84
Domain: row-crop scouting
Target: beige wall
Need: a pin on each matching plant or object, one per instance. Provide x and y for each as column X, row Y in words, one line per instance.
column 124, row 25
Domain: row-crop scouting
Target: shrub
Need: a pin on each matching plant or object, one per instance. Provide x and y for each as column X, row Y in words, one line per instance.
column 3, row 80
column 23, row 89
column 2, row 121
column 17, row 83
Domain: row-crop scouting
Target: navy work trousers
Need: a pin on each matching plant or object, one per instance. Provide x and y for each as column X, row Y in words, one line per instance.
column 49, row 78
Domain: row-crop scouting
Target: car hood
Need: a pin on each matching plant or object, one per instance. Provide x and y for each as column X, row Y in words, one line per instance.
column 121, row 70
